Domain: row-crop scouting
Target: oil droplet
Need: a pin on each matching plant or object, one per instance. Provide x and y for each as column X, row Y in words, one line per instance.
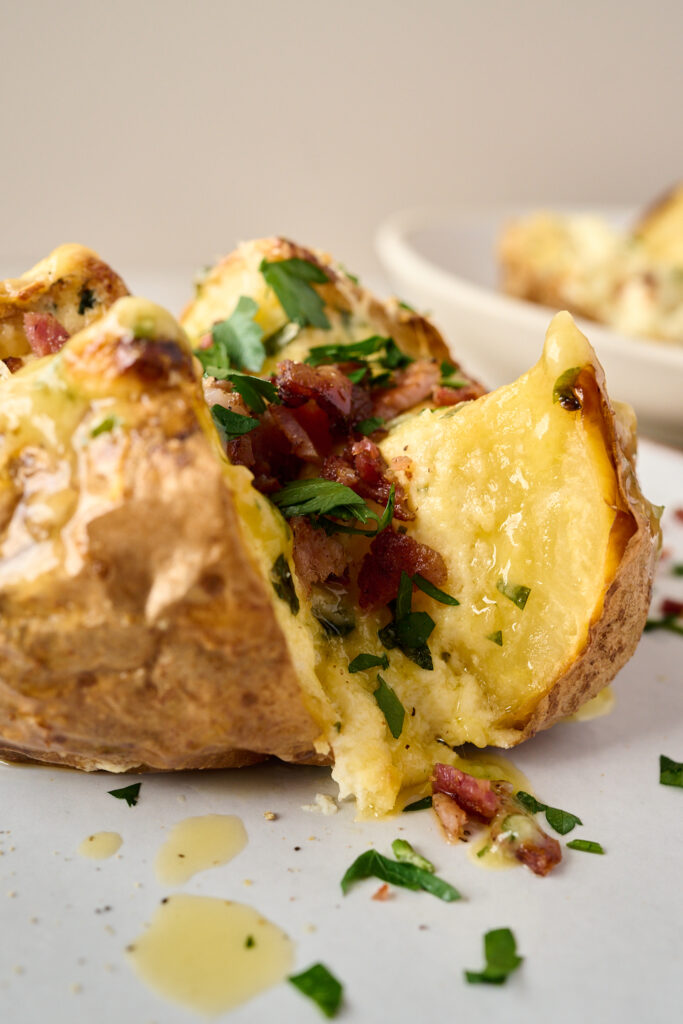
column 602, row 704
column 196, row 844
column 100, row 845
column 210, row 954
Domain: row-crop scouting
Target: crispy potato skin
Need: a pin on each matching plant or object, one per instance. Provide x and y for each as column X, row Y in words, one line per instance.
column 57, row 285
column 152, row 642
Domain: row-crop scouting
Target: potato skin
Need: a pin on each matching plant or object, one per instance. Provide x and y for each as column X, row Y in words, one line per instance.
column 152, row 642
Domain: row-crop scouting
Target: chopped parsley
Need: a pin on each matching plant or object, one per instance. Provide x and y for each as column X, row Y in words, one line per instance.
column 677, row 570
column 515, row 592
column 500, row 953
column 105, row 426
column 669, row 623
column 249, row 942
column 450, row 377
column 253, row 390
column 328, row 498
column 87, row 300
column 404, row 305
column 385, row 353
column 405, row 853
column 350, row 352
column 292, row 281
column 390, row 706
column 370, row 425
column 321, row 986
column 373, row 865
column 131, row 794
column 586, row 845
column 338, row 622
column 408, row 630
column 237, row 342
column 561, row 821
column 496, row 638
column 565, row 391
column 670, row 772
column 419, row 805
column 232, row 424
column 283, row 584
column 362, row 662
column 428, row 588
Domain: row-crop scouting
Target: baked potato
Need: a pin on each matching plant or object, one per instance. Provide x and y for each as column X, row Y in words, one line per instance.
column 628, row 279
column 179, row 590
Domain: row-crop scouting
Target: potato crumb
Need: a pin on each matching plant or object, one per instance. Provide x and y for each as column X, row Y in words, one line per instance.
column 248, row 881
column 270, row 815
column 323, row 805
column 75, row 988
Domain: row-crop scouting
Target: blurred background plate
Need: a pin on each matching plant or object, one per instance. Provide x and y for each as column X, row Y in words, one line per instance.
column 444, row 262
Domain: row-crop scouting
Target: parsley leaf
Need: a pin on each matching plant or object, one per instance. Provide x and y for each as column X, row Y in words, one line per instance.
column 318, row 497
column 350, row 352
column 419, row 805
column 373, row 865
column 564, row 390
column 283, row 584
column 87, row 300
column 390, row 706
column 321, row 986
column 370, row 425
column 249, row 942
column 131, row 794
column 432, row 591
column 586, row 845
column 668, row 623
column 515, row 592
column 252, row 389
column 677, row 570
column 496, row 638
column 405, row 853
column 365, row 661
column 670, row 772
column 237, row 341
column 105, row 426
column 292, row 281
column 500, row 952
column 560, row 821
column 232, row 424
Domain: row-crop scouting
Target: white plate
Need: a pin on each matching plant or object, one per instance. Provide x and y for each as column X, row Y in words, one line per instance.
column 601, row 936
column 444, row 261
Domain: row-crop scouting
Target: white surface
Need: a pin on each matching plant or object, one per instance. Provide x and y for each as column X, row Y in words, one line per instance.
column 445, row 262
column 601, row 936
column 167, row 130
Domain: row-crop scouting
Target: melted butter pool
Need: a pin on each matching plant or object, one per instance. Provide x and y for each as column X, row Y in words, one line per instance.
column 196, row 844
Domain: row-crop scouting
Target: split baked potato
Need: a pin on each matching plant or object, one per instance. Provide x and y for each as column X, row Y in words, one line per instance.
column 159, row 612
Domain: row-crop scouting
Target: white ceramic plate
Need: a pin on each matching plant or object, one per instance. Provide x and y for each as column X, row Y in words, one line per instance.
column 444, row 262
column 601, row 936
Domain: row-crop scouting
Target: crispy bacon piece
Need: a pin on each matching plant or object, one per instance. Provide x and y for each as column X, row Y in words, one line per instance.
column 363, row 469
column 452, row 817
column 412, row 385
column 44, row 333
column 671, row 607
column 453, row 396
column 390, row 554
column 300, row 442
column 477, row 797
column 541, row 855
column 316, row 556
column 297, row 383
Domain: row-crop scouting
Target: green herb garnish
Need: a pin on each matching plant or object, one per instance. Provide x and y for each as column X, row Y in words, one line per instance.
column 362, row 662
column 280, row 338
column 131, row 794
column 515, row 592
column 670, row 772
column 404, row 305
column 564, row 390
column 390, row 706
column 249, row 942
column 292, row 281
column 370, row 425
column 496, row 638
column 419, row 805
column 335, row 623
column 677, row 570
column 586, row 845
column 283, row 584
column 561, row 821
column 432, row 591
column 87, row 300
column 237, row 342
column 669, row 623
column 232, row 424
column 373, row 865
column 350, row 352
column 500, row 952
column 321, row 986
column 405, row 854
column 105, row 426
column 328, row 498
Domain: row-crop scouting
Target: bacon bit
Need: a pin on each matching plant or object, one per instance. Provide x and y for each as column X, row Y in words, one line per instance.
column 670, row 607
column 316, row 556
column 383, row 893
column 297, row 383
column 476, row 796
column 363, row 469
column 403, row 464
column 316, row 423
column 300, row 442
column 541, row 856
column 391, row 554
column 452, row 817
column 13, row 363
column 678, row 514
column 412, row 385
column 453, row 396
column 44, row 333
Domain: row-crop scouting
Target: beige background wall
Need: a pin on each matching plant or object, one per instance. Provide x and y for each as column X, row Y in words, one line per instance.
column 160, row 132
